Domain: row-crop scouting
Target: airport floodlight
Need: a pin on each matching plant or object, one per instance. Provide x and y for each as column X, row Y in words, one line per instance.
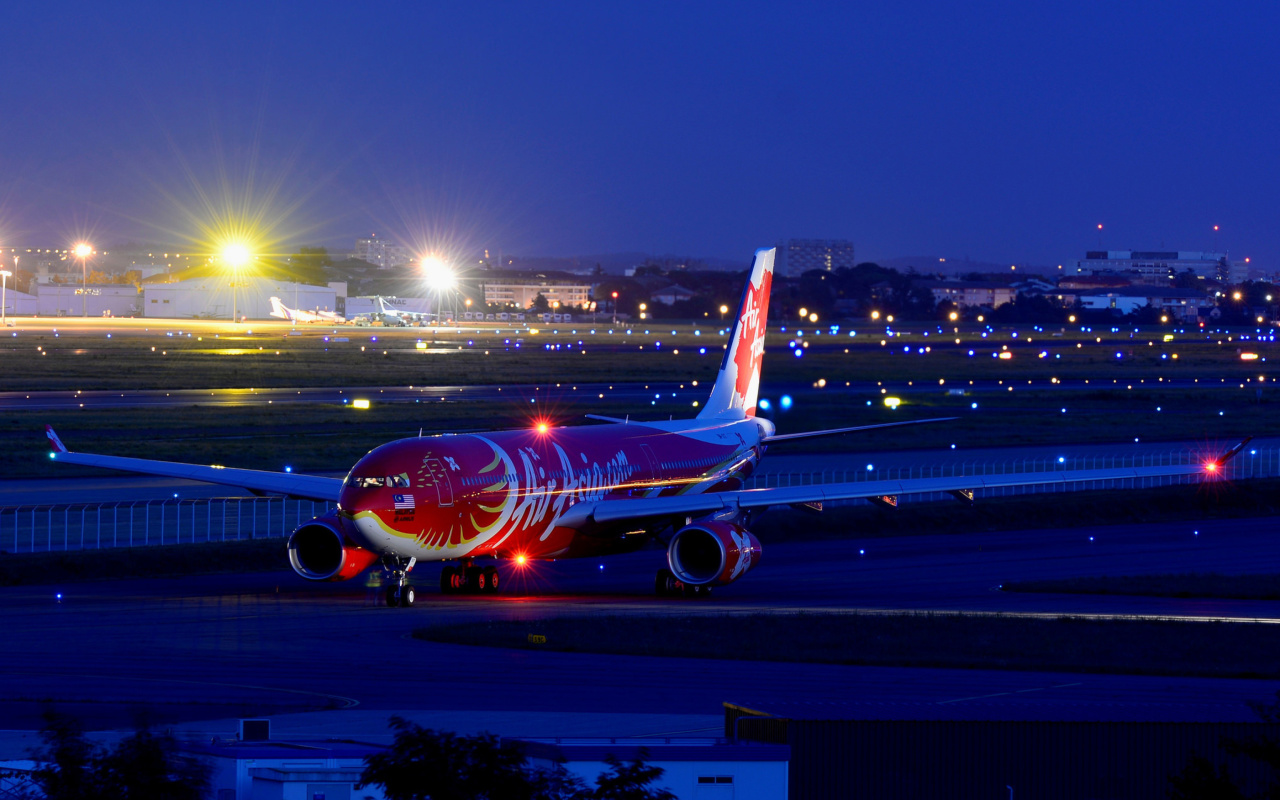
column 235, row 255
column 82, row 251
column 438, row 275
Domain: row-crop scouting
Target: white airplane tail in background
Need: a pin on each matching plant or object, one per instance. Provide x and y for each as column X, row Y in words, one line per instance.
column 278, row 309
column 738, row 384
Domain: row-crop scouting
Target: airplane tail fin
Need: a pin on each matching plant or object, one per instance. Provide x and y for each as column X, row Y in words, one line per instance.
column 278, row 309
column 738, row 384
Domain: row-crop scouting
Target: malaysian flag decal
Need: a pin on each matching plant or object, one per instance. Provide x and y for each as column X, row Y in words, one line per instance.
column 404, row 502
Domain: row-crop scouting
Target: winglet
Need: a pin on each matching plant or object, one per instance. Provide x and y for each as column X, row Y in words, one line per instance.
column 1221, row 460
column 58, row 446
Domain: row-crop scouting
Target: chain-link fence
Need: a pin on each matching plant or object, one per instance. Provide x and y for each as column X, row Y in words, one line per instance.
column 90, row 526
column 1251, row 463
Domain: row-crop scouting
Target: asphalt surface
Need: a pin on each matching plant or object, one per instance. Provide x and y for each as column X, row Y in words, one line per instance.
column 217, row 647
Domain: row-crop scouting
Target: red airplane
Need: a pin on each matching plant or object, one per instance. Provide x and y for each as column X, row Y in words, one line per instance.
column 572, row 492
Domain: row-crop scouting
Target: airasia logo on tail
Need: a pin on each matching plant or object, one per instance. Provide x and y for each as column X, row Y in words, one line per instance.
column 748, row 351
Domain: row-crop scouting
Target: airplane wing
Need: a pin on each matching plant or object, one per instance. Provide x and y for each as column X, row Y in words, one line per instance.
column 309, row 487
column 608, row 511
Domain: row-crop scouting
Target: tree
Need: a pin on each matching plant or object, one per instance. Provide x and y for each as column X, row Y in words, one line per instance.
column 629, row 781
column 423, row 764
column 540, row 303
column 143, row 766
column 1201, row 780
column 309, row 264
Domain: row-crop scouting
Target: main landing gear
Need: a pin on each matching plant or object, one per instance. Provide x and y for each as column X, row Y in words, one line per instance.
column 399, row 592
column 468, row 579
column 668, row 585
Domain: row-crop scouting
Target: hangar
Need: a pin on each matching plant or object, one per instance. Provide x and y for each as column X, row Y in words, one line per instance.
column 215, row 297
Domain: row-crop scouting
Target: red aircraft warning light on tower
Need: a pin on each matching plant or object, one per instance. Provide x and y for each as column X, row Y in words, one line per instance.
column 582, row 491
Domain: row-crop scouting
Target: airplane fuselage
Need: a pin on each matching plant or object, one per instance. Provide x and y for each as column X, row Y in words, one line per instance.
column 501, row 494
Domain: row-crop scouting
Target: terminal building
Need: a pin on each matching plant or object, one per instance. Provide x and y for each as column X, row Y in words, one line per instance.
column 797, row 256
column 1161, row 266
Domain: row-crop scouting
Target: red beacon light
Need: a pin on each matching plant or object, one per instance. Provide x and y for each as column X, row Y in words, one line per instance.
column 542, row 427
column 521, row 560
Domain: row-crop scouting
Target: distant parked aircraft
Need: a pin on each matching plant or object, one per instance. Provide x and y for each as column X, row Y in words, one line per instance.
column 547, row 492
column 281, row 311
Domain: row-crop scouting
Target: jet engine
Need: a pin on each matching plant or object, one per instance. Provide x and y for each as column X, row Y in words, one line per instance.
column 712, row 553
column 322, row 550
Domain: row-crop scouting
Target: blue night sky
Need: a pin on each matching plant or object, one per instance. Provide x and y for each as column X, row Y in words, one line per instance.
column 1003, row 132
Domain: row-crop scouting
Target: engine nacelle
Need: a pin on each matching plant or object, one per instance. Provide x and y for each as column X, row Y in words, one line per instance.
column 322, row 550
column 712, row 553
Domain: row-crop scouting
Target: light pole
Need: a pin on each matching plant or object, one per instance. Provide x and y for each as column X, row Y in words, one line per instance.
column 4, row 295
column 82, row 251
column 615, row 309
column 236, row 256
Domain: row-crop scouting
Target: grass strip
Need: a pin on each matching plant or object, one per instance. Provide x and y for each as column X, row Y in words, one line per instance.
column 165, row 561
column 1211, row 584
column 1063, row 644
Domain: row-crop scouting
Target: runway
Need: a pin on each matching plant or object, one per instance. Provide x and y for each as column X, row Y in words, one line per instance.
column 215, row 647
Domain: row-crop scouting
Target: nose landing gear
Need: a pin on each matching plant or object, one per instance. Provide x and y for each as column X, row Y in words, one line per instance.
column 399, row 592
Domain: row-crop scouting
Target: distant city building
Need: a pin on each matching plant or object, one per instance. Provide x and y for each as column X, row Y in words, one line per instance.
column 797, row 256
column 1161, row 266
column 520, row 290
column 381, row 253
column 970, row 294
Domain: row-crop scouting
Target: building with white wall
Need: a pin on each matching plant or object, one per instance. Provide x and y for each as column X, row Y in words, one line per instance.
column 215, row 298
column 519, row 291
column 94, row 300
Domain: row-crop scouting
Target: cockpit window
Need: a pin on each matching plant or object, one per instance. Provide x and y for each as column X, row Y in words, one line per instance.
column 400, row 481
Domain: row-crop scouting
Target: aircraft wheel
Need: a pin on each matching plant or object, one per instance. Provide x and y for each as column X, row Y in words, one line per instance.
column 393, row 595
column 407, row 596
column 490, row 580
column 448, row 580
column 665, row 584
column 482, row 581
column 472, row 580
